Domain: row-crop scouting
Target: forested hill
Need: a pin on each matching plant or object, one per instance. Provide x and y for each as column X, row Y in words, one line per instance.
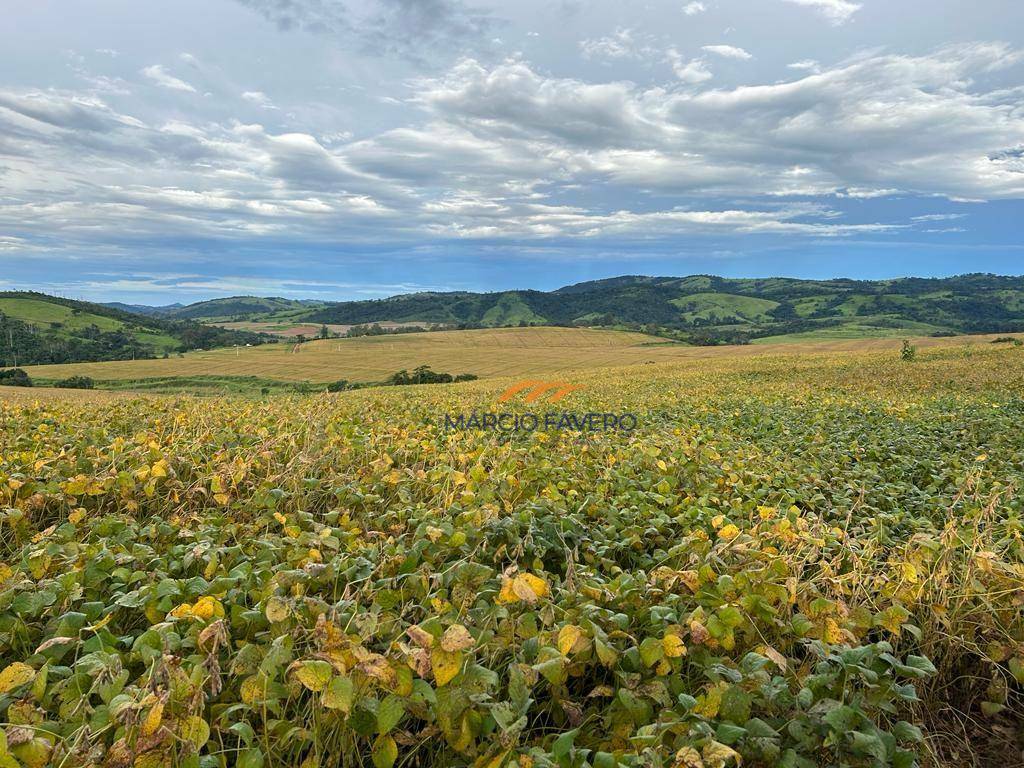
column 37, row 328
column 711, row 309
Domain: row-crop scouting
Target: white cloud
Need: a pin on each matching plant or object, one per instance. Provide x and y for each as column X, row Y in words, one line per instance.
column 836, row 11
column 163, row 78
column 728, row 52
column 258, row 98
column 504, row 150
column 621, row 45
column 692, row 9
column 806, row 65
column 866, row 193
column 940, row 217
column 879, row 126
column 692, row 71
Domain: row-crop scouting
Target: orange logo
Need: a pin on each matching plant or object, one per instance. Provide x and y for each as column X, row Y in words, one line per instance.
column 552, row 391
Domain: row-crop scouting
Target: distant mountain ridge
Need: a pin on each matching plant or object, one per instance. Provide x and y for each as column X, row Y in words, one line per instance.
column 710, row 309
column 698, row 308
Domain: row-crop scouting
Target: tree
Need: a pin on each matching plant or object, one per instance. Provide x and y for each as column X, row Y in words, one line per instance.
column 15, row 377
column 325, row 332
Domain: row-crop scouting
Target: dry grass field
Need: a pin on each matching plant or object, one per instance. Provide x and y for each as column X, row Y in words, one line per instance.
column 309, row 330
column 485, row 353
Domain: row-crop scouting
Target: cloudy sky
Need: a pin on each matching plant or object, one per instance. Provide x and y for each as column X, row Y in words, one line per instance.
column 159, row 152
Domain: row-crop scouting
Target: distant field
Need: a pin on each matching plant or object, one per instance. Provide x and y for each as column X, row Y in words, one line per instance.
column 486, row 353
column 852, row 330
column 291, row 329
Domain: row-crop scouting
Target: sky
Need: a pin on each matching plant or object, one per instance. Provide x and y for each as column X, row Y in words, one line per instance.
column 351, row 149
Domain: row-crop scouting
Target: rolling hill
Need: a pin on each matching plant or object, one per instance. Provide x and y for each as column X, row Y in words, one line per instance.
column 38, row 329
column 238, row 308
column 701, row 309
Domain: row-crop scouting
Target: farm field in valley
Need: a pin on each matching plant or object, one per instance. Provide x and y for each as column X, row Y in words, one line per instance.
column 293, row 329
column 484, row 353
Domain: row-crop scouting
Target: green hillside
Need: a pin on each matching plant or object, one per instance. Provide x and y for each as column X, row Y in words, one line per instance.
column 708, row 309
column 238, row 308
column 38, row 329
column 724, row 307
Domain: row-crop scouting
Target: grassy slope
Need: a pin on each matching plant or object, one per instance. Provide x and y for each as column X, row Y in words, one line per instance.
column 701, row 306
column 43, row 313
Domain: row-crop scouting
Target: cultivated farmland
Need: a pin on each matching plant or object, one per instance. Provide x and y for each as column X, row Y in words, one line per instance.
column 794, row 560
column 485, row 353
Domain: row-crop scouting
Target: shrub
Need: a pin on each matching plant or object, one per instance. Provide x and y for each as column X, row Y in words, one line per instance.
column 15, row 377
column 1008, row 340
column 76, row 382
column 424, row 375
column 908, row 352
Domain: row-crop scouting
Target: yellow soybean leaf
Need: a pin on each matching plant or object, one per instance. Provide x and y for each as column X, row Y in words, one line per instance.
column 276, row 610
column 456, row 638
column 445, row 664
column 709, row 703
column 832, row 633
column 506, row 595
column 525, row 587
column 195, row 730
column 909, row 572
column 155, row 758
column 716, row 755
column 492, row 762
column 537, row 585
column 674, row 646
column 252, row 689
column 729, row 532
column 15, row 675
column 207, row 608
column 568, row 636
column 688, row 757
column 339, row 694
column 34, row 753
column 153, row 719
column 385, row 752
column 314, row 675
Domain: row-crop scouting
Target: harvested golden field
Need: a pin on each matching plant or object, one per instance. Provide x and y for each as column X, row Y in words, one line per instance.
column 490, row 353
column 292, row 329
column 792, row 560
